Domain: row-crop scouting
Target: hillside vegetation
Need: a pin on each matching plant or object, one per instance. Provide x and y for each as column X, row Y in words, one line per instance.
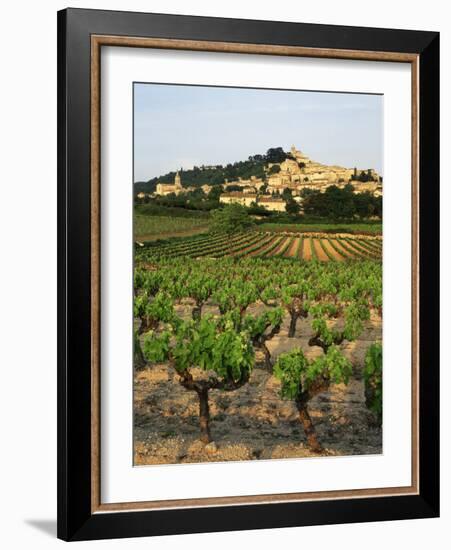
column 216, row 175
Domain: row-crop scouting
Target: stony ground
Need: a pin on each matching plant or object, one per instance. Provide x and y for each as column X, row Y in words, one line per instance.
column 253, row 422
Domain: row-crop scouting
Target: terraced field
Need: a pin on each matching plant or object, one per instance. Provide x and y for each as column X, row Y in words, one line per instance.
column 320, row 247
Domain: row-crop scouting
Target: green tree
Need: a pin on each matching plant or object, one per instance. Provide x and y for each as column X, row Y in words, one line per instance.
column 233, row 188
column 303, row 379
column 275, row 169
column 292, row 207
column 210, row 345
column 233, row 217
column 215, row 192
column 275, row 155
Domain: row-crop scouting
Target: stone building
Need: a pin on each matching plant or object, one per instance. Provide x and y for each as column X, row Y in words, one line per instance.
column 298, row 171
column 168, row 188
column 253, row 181
column 238, row 197
column 275, row 204
column 206, row 188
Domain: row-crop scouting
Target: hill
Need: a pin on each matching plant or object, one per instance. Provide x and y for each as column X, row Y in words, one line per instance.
column 217, row 174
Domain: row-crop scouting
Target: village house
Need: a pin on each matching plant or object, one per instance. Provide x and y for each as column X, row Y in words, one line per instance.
column 206, row 188
column 253, row 181
column 274, row 204
column 296, row 172
column 238, row 197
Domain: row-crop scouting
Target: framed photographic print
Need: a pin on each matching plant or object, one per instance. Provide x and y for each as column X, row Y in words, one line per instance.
column 248, row 274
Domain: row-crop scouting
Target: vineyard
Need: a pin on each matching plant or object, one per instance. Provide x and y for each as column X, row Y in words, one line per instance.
column 153, row 227
column 301, row 246
column 243, row 350
column 367, row 228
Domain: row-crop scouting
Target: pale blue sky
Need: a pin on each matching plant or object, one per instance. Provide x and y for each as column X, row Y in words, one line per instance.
column 182, row 126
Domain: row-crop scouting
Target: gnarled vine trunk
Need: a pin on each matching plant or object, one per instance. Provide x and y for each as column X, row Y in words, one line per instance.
column 202, row 389
column 309, row 428
column 138, row 356
column 316, row 340
column 293, row 321
column 197, row 312
column 267, row 354
column 320, row 385
column 260, row 342
column 296, row 310
column 204, row 415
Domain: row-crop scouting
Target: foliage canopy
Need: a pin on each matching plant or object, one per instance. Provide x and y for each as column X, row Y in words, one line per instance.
column 231, row 218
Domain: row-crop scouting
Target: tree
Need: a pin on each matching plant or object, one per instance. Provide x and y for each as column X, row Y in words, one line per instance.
column 324, row 337
column 199, row 287
column 151, row 307
column 364, row 206
column 275, row 169
column 275, row 155
column 296, row 299
column 306, row 192
column 233, row 188
column 334, row 203
column 215, row 192
column 151, row 310
column 263, row 328
column 210, row 345
column 303, row 379
column 233, row 217
column 258, row 210
column 292, row 207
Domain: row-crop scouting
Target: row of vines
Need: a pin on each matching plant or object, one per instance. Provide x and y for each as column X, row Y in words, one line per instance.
column 218, row 351
column 321, row 247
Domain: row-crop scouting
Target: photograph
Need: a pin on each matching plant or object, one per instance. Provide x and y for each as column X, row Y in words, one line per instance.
column 248, row 271
column 257, row 284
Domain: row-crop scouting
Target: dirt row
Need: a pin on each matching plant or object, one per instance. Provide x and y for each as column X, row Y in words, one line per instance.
column 301, row 247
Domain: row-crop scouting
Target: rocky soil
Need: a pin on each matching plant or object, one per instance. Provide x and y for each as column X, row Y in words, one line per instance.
column 253, row 422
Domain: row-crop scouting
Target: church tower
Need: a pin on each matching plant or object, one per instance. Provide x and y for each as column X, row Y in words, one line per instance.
column 178, row 180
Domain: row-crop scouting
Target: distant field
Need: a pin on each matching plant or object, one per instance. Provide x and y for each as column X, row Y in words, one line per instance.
column 357, row 228
column 156, row 227
column 171, row 211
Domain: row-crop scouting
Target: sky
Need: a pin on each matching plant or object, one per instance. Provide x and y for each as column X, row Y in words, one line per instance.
column 177, row 126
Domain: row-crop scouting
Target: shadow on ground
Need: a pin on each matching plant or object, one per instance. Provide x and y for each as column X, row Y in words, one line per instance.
column 46, row 526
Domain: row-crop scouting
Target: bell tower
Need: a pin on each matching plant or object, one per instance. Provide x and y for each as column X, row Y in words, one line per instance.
column 178, row 180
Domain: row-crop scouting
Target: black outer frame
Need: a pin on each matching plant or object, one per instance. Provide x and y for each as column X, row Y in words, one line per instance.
column 75, row 520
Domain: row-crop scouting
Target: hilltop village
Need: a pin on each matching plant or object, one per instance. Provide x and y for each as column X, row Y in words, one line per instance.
column 294, row 175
